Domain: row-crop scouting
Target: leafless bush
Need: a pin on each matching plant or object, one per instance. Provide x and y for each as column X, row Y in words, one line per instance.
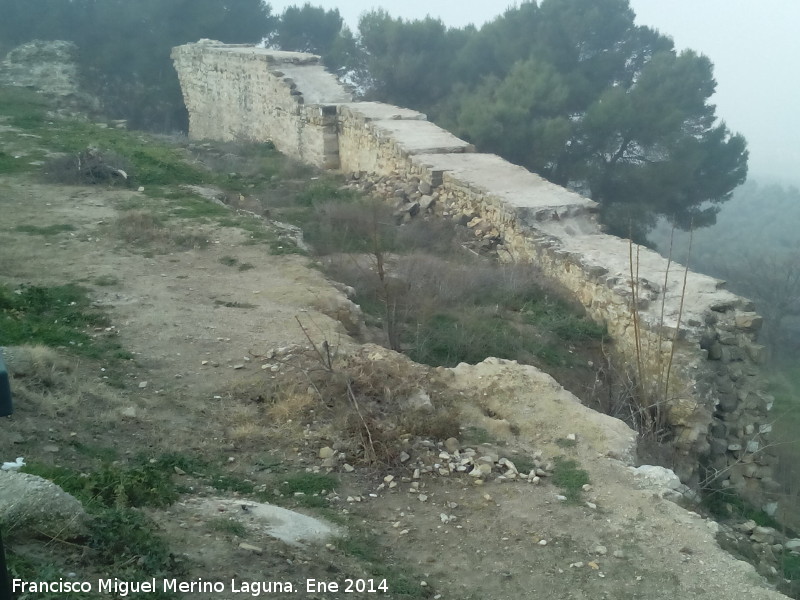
column 91, row 166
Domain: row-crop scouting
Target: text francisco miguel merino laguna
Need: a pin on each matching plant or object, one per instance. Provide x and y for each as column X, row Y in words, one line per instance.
column 254, row 588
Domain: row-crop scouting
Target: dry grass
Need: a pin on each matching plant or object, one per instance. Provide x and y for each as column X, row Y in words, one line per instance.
column 354, row 402
column 143, row 228
column 47, row 382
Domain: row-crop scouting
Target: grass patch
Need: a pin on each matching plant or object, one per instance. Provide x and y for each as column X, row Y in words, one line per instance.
column 307, row 483
column 106, row 280
column 570, row 478
column 565, row 443
column 227, row 483
column 144, row 228
column 121, row 539
column 227, row 526
column 246, row 267
column 112, row 485
column 367, row 549
column 477, row 435
column 47, row 231
column 151, row 162
column 234, row 304
column 126, row 538
column 10, row 164
column 56, row 316
column 92, row 451
column 790, row 566
column 228, row 261
column 725, row 503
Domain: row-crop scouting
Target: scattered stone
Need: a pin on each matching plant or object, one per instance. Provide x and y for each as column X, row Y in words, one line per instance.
column 52, row 448
column 404, row 457
column 326, row 452
column 142, row 384
column 543, row 542
column 348, row 468
column 418, row 400
column 239, row 366
column 422, row 498
column 452, row 445
column 251, row 548
column 601, row 550
column 763, row 535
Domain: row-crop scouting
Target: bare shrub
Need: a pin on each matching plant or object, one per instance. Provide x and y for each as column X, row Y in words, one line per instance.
column 91, row 166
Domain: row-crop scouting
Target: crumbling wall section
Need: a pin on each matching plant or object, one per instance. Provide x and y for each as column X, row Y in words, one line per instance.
column 692, row 343
column 237, row 92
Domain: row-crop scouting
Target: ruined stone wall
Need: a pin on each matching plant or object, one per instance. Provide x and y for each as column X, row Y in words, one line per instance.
column 247, row 93
column 714, row 402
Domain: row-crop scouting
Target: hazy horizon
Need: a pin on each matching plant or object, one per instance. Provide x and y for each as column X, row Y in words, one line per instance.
column 748, row 43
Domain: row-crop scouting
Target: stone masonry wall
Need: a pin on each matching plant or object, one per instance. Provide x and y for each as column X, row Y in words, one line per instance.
column 247, row 93
column 714, row 403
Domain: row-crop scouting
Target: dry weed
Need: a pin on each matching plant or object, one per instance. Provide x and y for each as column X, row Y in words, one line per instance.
column 48, row 382
column 143, row 228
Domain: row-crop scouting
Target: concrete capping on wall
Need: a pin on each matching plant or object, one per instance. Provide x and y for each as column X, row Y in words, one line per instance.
column 686, row 327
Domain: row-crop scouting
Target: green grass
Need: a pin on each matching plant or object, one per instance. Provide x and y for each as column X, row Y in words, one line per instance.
column 558, row 317
column 725, row 503
column 227, row 526
column 153, row 162
column 122, row 540
column 477, row 435
column 56, row 316
column 10, row 165
column 448, row 338
column 227, row 483
column 47, row 231
column 113, row 485
column 106, row 280
column 100, row 452
column 570, row 478
column 307, row 483
column 367, row 549
column 327, row 190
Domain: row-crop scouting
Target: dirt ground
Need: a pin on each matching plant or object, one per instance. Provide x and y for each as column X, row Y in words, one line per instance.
column 202, row 332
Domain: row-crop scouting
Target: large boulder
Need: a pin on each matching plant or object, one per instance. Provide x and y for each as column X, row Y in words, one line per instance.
column 31, row 505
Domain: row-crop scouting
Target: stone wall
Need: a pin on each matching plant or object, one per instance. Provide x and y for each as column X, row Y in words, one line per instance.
column 246, row 93
column 669, row 324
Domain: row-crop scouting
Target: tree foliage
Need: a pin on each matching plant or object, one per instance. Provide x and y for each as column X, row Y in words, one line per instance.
column 765, row 268
column 124, row 46
column 577, row 92
column 319, row 31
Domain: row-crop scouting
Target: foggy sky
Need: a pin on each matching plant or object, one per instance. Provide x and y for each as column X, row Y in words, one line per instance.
column 753, row 45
